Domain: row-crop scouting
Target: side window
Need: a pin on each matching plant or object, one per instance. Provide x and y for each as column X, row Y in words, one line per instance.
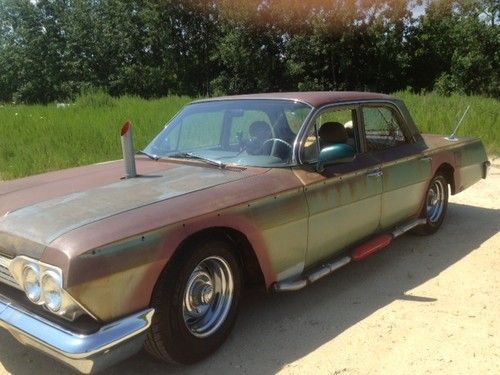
column 334, row 126
column 382, row 128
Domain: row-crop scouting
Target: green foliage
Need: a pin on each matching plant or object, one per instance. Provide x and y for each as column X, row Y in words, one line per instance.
column 94, row 98
column 51, row 50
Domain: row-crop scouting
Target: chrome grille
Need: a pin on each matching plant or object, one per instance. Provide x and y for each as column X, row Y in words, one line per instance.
column 5, row 275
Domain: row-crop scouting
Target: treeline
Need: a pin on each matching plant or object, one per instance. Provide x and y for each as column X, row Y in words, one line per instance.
column 52, row 50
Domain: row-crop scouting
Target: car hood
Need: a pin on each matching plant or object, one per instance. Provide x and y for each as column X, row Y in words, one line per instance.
column 43, row 208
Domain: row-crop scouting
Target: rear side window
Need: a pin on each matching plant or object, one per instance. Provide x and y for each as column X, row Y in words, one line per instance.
column 383, row 129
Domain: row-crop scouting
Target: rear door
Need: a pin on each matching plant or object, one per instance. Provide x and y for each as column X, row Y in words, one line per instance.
column 405, row 172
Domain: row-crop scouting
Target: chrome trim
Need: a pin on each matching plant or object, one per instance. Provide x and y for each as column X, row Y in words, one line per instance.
column 290, row 286
column 5, row 275
column 328, row 268
column 378, row 173
column 309, row 121
column 320, row 272
column 86, row 353
column 73, row 308
column 405, row 228
column 208, row 296
column 247, row 97
column 435, row 200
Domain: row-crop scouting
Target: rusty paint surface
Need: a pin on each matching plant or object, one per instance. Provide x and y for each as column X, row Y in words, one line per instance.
column 71, row 211
column 313, row 98
column 344, row 206
column 255, row 207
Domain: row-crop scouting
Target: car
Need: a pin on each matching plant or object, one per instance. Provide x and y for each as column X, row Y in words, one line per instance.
column 277, row 190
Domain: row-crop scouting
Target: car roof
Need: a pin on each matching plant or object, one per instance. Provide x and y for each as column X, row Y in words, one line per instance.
column 313, row 98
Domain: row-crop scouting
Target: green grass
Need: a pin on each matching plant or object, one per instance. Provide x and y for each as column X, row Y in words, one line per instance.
column 35, row 139
column 440, row 115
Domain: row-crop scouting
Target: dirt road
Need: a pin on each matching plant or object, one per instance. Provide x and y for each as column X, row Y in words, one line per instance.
column 423, row 305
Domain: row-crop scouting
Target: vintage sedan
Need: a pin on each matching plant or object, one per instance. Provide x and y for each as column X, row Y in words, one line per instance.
column 277, row 189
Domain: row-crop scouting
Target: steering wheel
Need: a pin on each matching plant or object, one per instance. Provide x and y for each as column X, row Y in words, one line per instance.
column 275, row 142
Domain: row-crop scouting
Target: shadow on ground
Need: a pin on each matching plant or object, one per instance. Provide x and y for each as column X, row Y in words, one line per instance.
column 273, row 330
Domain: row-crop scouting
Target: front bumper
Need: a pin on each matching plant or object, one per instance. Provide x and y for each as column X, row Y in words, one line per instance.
column 86, row 353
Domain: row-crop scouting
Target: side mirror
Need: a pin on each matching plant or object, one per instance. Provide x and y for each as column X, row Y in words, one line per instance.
column 335, row 154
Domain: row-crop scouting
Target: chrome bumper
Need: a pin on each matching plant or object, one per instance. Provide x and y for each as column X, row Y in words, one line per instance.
column 86, row 353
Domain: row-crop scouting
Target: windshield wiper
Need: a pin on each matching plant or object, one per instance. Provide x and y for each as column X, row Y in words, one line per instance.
column 189, row 155
column 152, row 157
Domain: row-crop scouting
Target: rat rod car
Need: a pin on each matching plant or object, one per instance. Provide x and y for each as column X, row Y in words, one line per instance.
column 279, row 189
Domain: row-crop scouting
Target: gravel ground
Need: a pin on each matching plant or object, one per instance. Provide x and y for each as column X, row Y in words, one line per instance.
column 423, row 305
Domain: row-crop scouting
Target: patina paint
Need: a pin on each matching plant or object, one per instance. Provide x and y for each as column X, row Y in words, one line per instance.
column 269, row 209
column 405, row 182
column 465, row 156
column 45, row 221
column 344, row 205
column 315, row 99
column 30, row 190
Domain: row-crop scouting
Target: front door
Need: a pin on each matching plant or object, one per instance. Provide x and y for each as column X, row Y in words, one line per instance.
column 344, row 199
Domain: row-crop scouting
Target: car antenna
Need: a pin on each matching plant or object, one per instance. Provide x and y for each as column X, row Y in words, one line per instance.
column 452, row 137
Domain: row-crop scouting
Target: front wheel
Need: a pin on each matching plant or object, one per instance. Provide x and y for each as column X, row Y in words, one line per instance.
column 196, row 301
column 435, row 205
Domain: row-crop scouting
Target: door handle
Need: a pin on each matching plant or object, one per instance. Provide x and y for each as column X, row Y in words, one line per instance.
column 426, row 158
column 378, row 173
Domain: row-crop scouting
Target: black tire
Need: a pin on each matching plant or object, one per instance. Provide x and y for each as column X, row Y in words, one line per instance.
column 435, row 206
column 173, row 337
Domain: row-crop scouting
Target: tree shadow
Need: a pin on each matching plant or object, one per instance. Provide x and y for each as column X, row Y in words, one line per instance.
column 273, row 330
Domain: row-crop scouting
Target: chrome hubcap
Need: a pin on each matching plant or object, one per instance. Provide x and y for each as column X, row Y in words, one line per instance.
column 208, row 296
column 435, row 201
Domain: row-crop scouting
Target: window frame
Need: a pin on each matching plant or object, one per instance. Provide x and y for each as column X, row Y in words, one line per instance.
column 400, row 119
column 351, row 106
column 359, row 104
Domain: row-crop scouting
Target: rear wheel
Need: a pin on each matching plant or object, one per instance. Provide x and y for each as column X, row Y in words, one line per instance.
column 196, row 301
column 435, row 205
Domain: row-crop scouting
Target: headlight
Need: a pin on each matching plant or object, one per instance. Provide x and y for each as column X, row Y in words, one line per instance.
column 52, row 291
column 43, row 285
column 31, row 283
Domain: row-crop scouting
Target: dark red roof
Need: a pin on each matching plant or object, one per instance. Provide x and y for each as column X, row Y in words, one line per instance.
column 314, row 98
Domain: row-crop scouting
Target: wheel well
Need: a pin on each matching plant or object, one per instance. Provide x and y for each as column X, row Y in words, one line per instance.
column 448, row 172
column 243, row 250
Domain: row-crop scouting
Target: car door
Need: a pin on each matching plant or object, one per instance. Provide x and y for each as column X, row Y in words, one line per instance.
column 405, row 172
column 344, row 199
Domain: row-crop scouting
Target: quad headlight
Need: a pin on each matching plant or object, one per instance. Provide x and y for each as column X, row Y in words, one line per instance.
column 52, row 291
column 43, row 285
column 31, row 283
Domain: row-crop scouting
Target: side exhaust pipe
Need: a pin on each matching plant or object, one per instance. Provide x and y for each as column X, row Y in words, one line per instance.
column 357, row 254
column 128, row 150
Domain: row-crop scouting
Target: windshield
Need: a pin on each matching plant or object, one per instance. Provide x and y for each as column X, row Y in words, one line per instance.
column 243, row 132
